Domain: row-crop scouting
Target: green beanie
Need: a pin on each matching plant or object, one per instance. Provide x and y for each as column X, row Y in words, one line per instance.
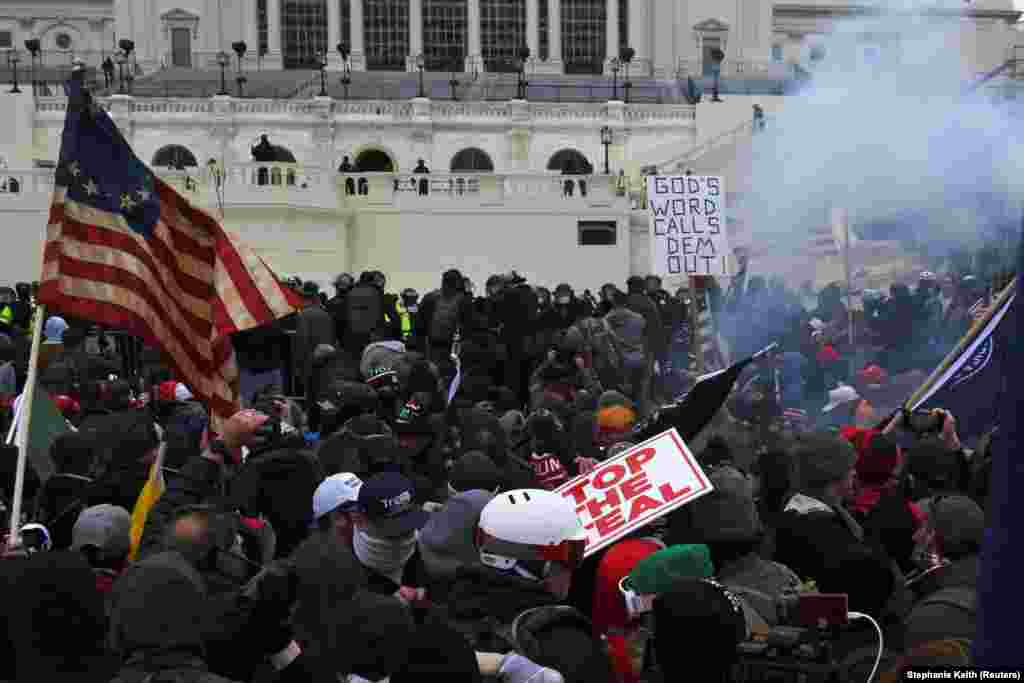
column 659, row 572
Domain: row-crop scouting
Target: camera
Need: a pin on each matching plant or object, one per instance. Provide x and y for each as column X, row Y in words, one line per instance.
column 924, row 421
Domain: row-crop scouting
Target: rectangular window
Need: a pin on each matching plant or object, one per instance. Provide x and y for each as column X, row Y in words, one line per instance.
column 303, row 32
column 346, row 24
column 444, row 34
column 502, row 33
column 623, row 25
column 583, row 36
column 776, row 53
column 262, row 27
column 710, row 65
column 596, row 233
column 6, row 39
column 386, row 27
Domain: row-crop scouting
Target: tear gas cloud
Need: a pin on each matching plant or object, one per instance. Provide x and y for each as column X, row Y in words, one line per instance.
column 887, row 129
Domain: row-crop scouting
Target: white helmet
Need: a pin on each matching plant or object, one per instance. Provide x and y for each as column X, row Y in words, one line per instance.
column 530, row 525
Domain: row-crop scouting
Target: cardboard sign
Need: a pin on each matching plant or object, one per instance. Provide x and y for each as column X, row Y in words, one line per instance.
column 635, row 488
column 688, row 225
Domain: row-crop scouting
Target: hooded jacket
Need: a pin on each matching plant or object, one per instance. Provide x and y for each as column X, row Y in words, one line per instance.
column 949, row 607
column 824, row 543
column 446, row 543
column 156, row 608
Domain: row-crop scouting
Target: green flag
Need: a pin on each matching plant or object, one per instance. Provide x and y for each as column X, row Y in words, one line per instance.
column 46, row 425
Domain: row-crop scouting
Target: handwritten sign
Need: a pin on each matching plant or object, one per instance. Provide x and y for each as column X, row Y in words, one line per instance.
column 635, row 488
column 688, row 225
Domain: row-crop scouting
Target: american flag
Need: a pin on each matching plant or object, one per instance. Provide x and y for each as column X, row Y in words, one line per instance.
column 125, row 250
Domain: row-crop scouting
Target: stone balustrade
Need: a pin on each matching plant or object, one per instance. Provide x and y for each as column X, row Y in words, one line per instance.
column 282, row 184
column 400, row 112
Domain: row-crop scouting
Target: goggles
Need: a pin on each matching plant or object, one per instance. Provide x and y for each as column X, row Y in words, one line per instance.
column 569, row 552
column 637, row 604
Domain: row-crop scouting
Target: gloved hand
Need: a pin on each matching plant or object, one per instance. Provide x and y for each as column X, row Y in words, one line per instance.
column 518, row 669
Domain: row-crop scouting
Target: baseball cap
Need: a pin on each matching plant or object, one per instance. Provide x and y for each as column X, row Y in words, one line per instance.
column 106, row 527
column 336, row 491
column 388, row 499
column 840, row 395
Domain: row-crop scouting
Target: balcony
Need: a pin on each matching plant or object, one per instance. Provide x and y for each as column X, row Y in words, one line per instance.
column 298, row 186
column 156, row 111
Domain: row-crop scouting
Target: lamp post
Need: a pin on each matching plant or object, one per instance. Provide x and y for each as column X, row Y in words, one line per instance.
column 240, row 49
column 453, row 82
column 32, row 45
column 346, row 78
column 626, row 57
column 13, row 58
column 323, row 73
column 421, row 64
column 717, row 56
column 606, row 140
column 223, row 60
column 522, row 54
column 616, row 65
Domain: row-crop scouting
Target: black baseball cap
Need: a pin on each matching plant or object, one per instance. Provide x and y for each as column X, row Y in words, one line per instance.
column 388, row 499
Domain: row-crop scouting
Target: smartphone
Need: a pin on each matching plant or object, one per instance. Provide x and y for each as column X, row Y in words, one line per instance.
column 818, row 610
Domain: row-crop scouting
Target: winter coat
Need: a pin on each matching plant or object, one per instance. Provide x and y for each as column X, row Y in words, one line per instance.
column 760, row 582
column 823, row 543
column 315, row 327
column 949, row 607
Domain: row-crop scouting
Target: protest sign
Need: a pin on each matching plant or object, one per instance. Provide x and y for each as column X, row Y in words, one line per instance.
column 635, row 488
column 687, row 225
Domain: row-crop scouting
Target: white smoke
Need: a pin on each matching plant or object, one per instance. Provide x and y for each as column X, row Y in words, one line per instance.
column 885, row 130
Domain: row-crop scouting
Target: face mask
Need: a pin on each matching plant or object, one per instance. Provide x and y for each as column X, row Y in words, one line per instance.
column 386, row 556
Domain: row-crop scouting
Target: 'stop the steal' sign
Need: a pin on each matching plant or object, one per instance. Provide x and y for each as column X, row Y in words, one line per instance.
column 688, row 225
column 635, row 488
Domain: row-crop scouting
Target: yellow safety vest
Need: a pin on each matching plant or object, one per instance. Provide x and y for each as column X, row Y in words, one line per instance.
column 406, row 319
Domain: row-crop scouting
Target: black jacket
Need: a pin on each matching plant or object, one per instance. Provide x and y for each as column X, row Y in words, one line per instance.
column 315, row 327
column 260, row 349
column 818, row 542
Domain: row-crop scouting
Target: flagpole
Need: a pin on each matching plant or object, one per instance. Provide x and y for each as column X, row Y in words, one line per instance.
column 27, row 396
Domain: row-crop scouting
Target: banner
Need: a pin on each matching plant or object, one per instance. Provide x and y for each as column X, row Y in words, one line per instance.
column 688, row 225
column 635, row 488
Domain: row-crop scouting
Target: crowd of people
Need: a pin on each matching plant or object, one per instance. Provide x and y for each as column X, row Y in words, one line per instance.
column 385, row 508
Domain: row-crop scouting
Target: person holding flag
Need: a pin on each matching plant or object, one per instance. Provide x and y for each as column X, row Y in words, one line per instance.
column 125, row 250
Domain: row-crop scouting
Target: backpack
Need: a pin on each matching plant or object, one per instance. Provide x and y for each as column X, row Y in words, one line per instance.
column 445, row 320
column 961, row 597
column 630, row 353
column 365, row 310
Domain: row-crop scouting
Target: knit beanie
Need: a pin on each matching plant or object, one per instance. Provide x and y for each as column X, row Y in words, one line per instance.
column 728, row 513
column 659, row 572
column 822, row 459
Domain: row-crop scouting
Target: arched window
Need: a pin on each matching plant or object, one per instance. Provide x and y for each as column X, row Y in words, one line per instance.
column 275, row 176
column 174, row 156
column 472, row 160
column 374, row 161
column 290, row 177
column 570, row 162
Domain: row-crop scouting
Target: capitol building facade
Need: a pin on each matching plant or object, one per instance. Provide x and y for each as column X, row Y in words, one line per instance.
column 306, row 124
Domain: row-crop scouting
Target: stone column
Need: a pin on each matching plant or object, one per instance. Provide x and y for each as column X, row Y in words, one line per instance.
column 274, row 57
column 639, row 37
column 252, row 33
column 611, row 33
column 358, row 56
column 334, row 34
column 532, row 29
column 555, row 35
column 415, row 33
column 473, row 21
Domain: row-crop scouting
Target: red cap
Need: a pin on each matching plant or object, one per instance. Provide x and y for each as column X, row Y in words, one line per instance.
column 878, row 459
column 165, row 390
column 67, row 405
column 873, row 374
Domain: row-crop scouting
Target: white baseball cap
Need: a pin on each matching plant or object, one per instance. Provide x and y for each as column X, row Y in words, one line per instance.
column 336, row 491
column 840, row 395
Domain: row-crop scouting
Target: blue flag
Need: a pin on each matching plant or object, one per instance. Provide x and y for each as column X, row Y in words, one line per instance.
column 970, row 378
column 997, row 641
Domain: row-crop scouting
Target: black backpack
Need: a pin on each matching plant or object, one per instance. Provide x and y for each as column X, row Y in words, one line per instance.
column 445, row 319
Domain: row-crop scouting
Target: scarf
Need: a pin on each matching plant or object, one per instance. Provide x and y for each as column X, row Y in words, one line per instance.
column 386, row 556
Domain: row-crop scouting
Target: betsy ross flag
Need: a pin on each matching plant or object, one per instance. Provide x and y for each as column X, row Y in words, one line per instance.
column 970, row 378
column 124, row 249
